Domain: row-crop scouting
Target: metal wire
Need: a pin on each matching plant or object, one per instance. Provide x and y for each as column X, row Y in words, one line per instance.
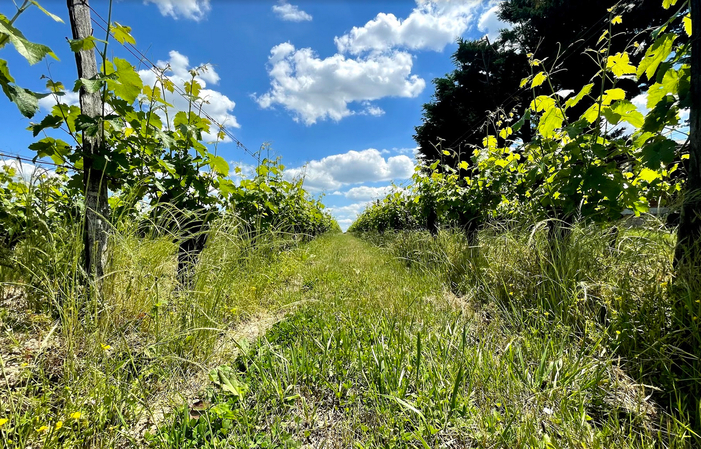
column 134, row 51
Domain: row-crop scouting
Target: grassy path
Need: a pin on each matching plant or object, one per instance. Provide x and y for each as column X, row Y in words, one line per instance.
column 377, row 354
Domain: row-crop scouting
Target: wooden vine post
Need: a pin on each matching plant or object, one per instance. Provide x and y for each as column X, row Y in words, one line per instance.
column 96, row 205
column 688, row 250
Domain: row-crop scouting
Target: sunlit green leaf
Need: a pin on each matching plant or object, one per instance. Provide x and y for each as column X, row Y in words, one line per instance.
column 611, row 95
column 31, row 51
column 53, row 16
column 551, row 120
column 577, row 98
column 628, row 112
column 666, row 4
column 219, row 165
column 128, row 84
column 655, row 55
column 542, row 102
column 539, row 79
column 648, row 175
column 122, row 33
column 85, row 44
column 620, row 65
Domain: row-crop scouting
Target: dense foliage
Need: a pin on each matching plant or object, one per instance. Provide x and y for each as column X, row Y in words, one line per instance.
column 154, row 161
column 577, row 166
column 487, row 74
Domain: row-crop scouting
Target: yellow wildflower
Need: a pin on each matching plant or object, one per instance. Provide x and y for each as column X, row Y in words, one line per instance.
column 3, row 421
column 76, row 415
column 42, row 429
column 59, row 425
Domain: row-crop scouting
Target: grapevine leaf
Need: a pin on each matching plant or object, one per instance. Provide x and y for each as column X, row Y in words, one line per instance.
column 612, row 117
column 668, row 86
column 489, row 142
column 5, row 77
column 655, row 55
column 31, row 51
column 122, row 33
column 219, row 165
column 550, row 121
column 612, row 95
column 603, row 36
column 128, row 84
column 226, row 187
column 56, row 149
column 541, row 103
column 25, row 100
column 592, row 113
column 666, row 4
column 56, row 87
column 577, row 98
column 85, row 44
column 50, row 121
column 518, row 125
column 628, row 112
column 620, row 65
column 53, row 16
column 90, row 85
column 661, row 151
column 506, row 132
column 538, row 79
column 648, row 175
column 193, row 89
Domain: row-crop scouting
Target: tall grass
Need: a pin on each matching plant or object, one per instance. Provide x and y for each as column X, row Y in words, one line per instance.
column 612, row 289
column 96, row 370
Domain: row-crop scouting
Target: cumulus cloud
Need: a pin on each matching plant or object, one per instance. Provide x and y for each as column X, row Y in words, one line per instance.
column 367, row 193
column 217, row 105
column 290, row 13
column 317, row 89
column 432, row 25
column 353, row 167
column 69, row 97
column 26, row 171
column 490, row 23
column 374, row 111
column 189, row 9
column 413, row 152
column 346, row 215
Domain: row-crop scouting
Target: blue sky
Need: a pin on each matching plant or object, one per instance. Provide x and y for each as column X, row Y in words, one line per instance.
column 336, row 87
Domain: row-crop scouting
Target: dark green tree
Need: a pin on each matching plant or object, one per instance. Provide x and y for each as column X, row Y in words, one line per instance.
column 487, row 75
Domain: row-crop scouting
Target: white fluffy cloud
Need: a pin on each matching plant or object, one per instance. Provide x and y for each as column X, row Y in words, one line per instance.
column 28, row 172
column 490, row 24
column 317, row 89
column 290, row 13
column 353, row 167
column 189, row 9
column 431, row 25
column 69, row 97
column 346, row 215
column 367, row 193
column 218, row 105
